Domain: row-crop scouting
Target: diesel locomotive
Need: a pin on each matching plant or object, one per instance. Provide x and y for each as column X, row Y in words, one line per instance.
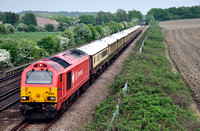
column 50, row 84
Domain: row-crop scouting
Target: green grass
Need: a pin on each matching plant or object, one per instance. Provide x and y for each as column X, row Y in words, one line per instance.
column 156, row 99
column 33, row 36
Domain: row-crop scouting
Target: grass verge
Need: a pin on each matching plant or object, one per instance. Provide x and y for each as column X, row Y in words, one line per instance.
column 156, row 99
column 33, row 36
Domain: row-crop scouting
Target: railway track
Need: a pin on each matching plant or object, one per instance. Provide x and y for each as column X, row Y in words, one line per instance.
column 39, row 125
column 7, row 95
column 9, row 77
column 43, row 125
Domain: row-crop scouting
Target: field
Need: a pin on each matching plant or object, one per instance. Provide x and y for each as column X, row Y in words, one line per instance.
column 183, row 40
column 156, row 99
column 33, row 36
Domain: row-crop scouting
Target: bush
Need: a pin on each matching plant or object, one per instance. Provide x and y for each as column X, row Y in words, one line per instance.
column 2, row 29
column 63, row 26
column 50, row 27
column 9, row 28
column 95, row 34
column 21, row 27
column 4, row 58
column 107, row 31
column 31, row 28
column 125, row 24
column 28, row 51
column 100, row 30
column 22, row 51
column 49, row 44
column 40, row 27
column 67, row 39
column 82, row 34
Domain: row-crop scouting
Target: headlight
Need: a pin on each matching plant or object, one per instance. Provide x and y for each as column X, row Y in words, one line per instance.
column 51, row 98
column 24, row 98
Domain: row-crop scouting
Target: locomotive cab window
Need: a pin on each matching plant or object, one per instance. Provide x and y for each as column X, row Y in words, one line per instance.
column 39, row 77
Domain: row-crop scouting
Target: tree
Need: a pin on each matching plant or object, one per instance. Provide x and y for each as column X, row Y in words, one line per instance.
column 87, row 19
column 2, row 29
column 69, row 20
column 134, row 14
column 9, row 28
column 22, row 51
column 122, row 15
column 29, row 19
column 49, row 27
column 10, row 18
column 67, row 39
column 4, row 59
column 21, row 27
column 107, row 31
column 100, row 30
column 101, row 18
column 63, row 26
column 31, row 28
column 82, row 34
column 93, row 31
column 49, row 44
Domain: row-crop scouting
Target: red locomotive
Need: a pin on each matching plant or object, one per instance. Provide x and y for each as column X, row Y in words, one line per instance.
column 47, row 86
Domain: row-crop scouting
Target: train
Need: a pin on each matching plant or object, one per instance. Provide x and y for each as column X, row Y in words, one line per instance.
column 49, row 85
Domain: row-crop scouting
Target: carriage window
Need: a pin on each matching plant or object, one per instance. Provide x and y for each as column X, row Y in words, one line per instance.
column 39, row 77
column 94, row 59
column 104, row 53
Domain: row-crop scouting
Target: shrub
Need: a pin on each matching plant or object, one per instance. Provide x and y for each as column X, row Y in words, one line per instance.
column 100, row 30
column 9, row 28
column 63, row 26
column 40, row 27
column 21, row 27
column 82, row 34
column 22, row 51
column 2, row 29
column 50, row 27
column 28, row 51
column 49, row 44
column 67, row 39
column 107, row 30
column 4, row 58
column 31, row 28
column 93, row 31
column 125, row 24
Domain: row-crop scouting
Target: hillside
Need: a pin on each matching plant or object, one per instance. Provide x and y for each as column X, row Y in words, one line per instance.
column 49, row 15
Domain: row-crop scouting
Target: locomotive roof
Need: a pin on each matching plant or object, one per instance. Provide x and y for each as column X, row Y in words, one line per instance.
column 64, row 59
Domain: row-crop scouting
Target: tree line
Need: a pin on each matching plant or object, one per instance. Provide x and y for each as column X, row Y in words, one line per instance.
column 173, row 13
column 23, row 51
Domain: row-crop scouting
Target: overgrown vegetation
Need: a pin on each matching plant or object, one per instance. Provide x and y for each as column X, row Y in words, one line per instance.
column 156, row 99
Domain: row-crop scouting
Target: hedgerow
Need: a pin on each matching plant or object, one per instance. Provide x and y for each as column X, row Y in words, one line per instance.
column 156, row 99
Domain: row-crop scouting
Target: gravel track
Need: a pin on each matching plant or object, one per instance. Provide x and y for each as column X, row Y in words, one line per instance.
column 80, row 113
column 183, row 40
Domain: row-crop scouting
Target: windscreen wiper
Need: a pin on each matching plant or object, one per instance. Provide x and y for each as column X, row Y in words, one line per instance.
column 30, row 73
column 49, row 73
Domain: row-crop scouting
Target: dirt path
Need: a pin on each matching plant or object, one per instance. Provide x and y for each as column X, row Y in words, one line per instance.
column 183, row 41
column 80, row 112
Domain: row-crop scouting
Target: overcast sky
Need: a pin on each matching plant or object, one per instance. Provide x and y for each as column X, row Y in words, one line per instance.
column 91, row 5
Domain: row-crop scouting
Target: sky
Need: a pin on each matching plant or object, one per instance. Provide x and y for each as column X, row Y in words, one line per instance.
column 91, row 5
